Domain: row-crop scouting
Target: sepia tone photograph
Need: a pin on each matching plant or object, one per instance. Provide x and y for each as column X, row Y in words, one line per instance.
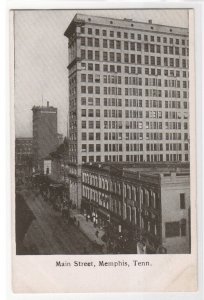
column 102, row 132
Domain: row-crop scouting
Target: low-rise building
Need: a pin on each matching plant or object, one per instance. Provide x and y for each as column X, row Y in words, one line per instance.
column 150, row 201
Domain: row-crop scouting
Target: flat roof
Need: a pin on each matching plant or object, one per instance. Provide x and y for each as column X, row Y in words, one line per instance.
column 129, row 24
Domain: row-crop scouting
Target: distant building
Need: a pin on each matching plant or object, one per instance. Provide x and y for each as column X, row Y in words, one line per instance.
column 153, row 202
column 56, row 164
column 59, row 139
column 23, row 149
column 23, row 157
column 44, row 133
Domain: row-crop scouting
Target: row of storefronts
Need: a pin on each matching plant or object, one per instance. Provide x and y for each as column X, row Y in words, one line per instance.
column 131, row 203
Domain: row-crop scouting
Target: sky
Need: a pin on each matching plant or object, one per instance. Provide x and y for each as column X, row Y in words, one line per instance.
column 41, row 57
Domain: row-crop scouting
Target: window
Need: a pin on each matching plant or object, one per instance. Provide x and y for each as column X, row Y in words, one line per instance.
column 83, row 136
column 83, row 54
column 105, row 43
column 90, row 42
column 97, row 55
column 98, row 124
column 97, row 67
column 97, row 32
column 98, row 147
column 118, row 57
column 171, row 50
column 98, row 136
column 139, row 48
column 112, row 56
column 111, row 43
column 83, row 43
column 139, row 59
column 172, row 229
column 177, row 63
column 184, row 63
column 104, row 32
column 182, row 201
column 90, row 89
column 91, row 124
column 105, row 56
column 118, row 44
column 158, row 61
column 152, row 60
column 91, row 136
column 112, row 68
column 146, row 59
column 171, row 62
column 89, row 30
column 132, row 58
column 90, row 101
column 90, row 54
column 126, row 46
column 177, row 50
column 146, row 47
column 97, row 90
column 91, row 148
column 90, row 77
column 119, row 69
column 111, row 33
column 152, row 48
column 90, row 67
column 83, row 89
column 83, row 124
column 97, row 101
column 98, row 112
column 83, row 147
column 132, row 46
column 90, row 113
column 83, row 101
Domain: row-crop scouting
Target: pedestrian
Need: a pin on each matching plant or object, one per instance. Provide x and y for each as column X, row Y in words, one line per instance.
column 97, row 233
column 78, row 224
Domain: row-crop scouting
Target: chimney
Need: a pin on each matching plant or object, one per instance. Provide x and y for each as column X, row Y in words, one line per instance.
column 47, row 103
column 150, row 21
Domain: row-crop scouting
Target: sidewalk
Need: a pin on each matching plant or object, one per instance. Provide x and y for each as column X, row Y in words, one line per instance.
column 88, row 228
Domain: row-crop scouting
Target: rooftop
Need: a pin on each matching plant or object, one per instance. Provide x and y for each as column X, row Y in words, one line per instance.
column 125, row 24
column 150, row 172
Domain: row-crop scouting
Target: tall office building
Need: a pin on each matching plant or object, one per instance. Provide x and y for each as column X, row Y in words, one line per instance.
column 44, row 133
column 128, row 91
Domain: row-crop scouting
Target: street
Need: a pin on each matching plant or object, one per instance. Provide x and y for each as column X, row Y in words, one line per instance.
column 50, row 234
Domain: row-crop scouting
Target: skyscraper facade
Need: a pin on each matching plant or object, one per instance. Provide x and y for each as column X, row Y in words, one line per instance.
column 128, row 91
